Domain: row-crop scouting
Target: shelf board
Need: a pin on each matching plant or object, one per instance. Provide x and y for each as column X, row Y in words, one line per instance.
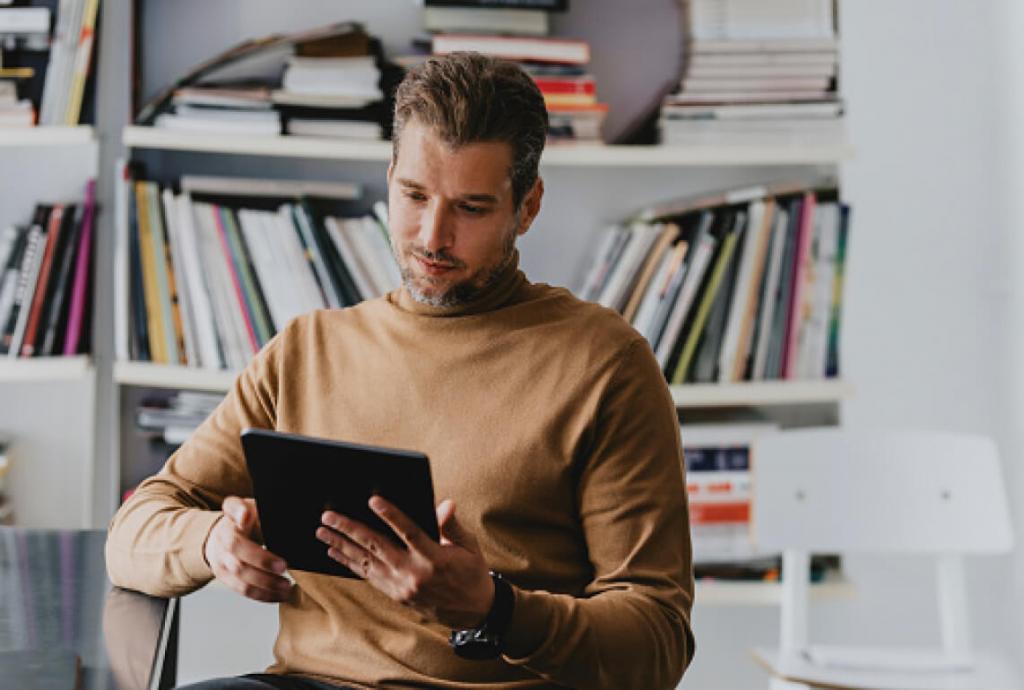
column 737, row 593
column 46, row 136
column 32, row 369
column 760, row 393
column 579, row 155
column 149, row 375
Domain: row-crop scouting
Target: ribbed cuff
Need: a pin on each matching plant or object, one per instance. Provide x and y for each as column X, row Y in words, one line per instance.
column 193, row 560
column 530, row 626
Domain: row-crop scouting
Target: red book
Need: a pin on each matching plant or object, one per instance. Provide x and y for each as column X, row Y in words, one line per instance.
column 719, row 513
column 52, row 238
column 566, row 85
column 235, row 281
column 76, row 311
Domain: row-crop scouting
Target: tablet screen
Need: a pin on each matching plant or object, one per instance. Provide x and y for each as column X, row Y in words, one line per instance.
column 296, row 478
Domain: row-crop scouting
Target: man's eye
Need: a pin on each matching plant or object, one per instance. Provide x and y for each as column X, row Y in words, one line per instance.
column 469, row 208
column 415, row 196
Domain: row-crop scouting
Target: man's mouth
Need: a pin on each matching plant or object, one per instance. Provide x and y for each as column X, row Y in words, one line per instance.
column 433, row 268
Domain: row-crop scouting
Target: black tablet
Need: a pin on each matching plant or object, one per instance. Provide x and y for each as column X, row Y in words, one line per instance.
column 296, row 478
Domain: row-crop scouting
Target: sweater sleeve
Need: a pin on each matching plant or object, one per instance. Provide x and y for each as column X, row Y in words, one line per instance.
column 631, row 627
column 156, row 540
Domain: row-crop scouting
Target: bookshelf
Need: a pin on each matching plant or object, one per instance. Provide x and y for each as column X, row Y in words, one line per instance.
column 70, row 369
column 46, row 136
column 569, row 155
column 588, row 186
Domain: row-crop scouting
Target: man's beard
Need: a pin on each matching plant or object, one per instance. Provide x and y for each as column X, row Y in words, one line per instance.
column 464, row 291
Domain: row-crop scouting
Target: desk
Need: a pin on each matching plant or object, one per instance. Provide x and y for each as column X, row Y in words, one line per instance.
column 59, row 611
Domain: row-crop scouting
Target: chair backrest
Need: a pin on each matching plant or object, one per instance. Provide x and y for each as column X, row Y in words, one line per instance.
column 830, row 490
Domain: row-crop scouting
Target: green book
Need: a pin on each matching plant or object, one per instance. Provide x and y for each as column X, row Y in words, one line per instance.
column 251, row 291
column 701, row 317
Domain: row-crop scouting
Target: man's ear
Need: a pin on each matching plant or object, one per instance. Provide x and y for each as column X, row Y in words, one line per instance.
column 530, row 206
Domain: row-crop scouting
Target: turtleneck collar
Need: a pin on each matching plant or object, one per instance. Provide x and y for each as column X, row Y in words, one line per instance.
column 498, row 294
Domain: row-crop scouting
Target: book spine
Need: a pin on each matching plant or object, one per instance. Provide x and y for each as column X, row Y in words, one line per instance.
column 832, row 357
column 210, row 353
column 9, row 279
column 138, row 327
column 26, row 288
column 154, row 321
column 53, row 237
column 236, row 283
column 797, row 308
column 255, row 298
column 122, row 293
column 83, row 58
column 690, row 347
column 182, row 298
column 83, row 260
column 175, row 340
column 55, row 321
column 315, row 258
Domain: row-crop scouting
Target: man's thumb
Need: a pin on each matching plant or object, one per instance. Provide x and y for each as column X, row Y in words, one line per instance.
column 241, row 513
column 451, row 530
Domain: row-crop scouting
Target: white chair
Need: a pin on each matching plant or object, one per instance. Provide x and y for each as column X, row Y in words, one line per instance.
column 834, row 491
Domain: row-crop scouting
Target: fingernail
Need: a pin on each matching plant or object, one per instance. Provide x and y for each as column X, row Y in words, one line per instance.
column 280, row 566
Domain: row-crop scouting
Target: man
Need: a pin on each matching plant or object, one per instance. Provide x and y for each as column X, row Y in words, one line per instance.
column 551, row 434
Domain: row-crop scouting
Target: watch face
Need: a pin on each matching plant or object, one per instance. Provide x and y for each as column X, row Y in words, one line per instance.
column 475, row 644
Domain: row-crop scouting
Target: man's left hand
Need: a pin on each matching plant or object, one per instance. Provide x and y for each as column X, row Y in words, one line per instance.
column 448, row 581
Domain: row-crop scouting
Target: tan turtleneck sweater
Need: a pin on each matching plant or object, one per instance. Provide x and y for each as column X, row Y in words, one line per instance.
column 545, row 418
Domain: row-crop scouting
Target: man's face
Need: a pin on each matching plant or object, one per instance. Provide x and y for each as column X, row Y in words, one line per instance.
column 453, row 222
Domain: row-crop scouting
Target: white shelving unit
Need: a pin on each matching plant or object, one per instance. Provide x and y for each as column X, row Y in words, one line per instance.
column 22, row 369
column 722, row 593
column 582, row 155
column 46, row 136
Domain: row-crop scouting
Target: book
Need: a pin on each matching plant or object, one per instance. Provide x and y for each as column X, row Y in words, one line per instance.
column 28, row 274
column 485, row 20
column 797, row 307
column 167, row 296
column 667, row 234
column 81, row 61
column 515, row 47
column 706, row 301
column 154, row 320
column 705, row 367
column 56, row 310
column 769, row 290
column 546, row 5
column 59, row 224
column 832, row 355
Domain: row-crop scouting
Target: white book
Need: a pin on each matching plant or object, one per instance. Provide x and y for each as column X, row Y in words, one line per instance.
column 814, row 343
column 616, row 291
column 771, row 285
column 261, row 187
column 8, row 288
column 312, row 296
column 652, row 296
column 291, row 296
column 233, row 115
column 263, row 262
column 755, row 111
column 339, row 230
column 230, row 329
column 697, row 264
column 121, row 264
column 755, row 71
column 7, row 239
column 48, row 107
column 195, row 124
column 590, row 286
column 188, row 320
column 724, row 434
column 342, row 129
column 738, row 309
column 384, row 268
column 27, row 286
column 380, row 215
column 199, row 288
column 302, row 223
column 368, row 241
column 486, row 20
column 713, row 85
column 760, row 20
column 25, row 20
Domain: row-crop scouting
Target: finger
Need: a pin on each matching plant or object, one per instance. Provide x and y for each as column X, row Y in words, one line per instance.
column 256, row 556
column 375, row 543
column 241, row 513
column 250, row 582
column 407, row 530
column 451, row 529
column 349, row 554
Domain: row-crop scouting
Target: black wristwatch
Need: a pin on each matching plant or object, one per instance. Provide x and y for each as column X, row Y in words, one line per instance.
column 488, row 640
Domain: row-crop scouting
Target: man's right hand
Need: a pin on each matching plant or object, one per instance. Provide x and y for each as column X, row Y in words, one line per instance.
column 238, row 561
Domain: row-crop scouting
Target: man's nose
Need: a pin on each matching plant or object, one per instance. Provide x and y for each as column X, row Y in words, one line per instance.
column 435, row 230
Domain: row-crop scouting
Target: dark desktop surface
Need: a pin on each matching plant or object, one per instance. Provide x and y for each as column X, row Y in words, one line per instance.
column 64, row 627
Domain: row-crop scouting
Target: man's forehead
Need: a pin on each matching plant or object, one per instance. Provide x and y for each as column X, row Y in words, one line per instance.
column 478, row 168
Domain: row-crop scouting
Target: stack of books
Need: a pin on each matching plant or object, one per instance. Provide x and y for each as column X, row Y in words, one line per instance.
column 330, row 82
column 45, row 289
column 173, row 420
column 718, row 486
column 206, row 276
column 742, row 286
column 44, row 70
column 756, row 72
column 519, row 30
